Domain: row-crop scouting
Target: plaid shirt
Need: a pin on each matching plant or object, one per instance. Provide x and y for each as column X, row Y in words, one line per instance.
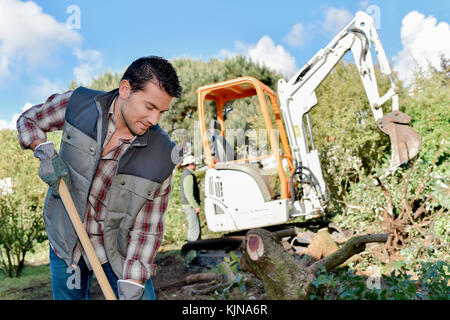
column 147, row 232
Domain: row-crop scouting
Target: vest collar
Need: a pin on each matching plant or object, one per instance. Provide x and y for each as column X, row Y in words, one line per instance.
column 142, row 141
column 105, row 100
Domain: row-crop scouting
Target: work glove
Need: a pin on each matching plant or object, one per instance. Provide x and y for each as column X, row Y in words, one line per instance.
column 52, row 167
column 129, row 290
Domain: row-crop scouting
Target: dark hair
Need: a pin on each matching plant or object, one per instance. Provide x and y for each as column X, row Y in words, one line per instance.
column 145, row 69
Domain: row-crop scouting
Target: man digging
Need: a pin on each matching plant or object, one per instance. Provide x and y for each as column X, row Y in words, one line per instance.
column 117, row 163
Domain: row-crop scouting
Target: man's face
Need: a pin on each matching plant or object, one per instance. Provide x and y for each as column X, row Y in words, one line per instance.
column 142, row 109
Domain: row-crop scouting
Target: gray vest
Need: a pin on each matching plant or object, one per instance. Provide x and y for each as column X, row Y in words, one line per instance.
column 139, row 175
column 196, row 190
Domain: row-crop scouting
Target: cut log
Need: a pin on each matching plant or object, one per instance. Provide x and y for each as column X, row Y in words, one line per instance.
column 283, row 276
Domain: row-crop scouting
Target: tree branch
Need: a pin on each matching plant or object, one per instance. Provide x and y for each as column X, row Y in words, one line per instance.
column 353, row 246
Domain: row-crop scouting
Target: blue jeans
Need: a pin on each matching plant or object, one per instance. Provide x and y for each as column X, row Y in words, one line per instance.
column 69, row 283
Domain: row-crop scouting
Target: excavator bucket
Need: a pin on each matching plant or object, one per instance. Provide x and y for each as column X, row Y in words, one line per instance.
column 405, row 141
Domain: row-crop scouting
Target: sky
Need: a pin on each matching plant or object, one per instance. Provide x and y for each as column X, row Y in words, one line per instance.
column 44, row 45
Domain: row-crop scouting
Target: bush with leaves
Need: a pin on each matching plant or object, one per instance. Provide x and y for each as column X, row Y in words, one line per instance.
column 21, row 223
column 420, row 186
column 431, row 283
column 345, row 132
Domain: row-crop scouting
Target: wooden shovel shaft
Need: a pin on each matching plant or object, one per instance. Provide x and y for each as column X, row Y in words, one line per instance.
column 85, row 241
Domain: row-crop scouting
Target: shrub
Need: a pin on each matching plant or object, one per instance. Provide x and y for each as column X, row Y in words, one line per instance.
column 21, row 202
column 431, row 283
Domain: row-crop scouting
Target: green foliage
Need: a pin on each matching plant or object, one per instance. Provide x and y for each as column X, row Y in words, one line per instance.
column 441, row 226
column 429, row 109
column 106, row 82
column 422, row 182
column 230, row 269
column 196, row 73
column 430, row 117
column 339, row 285
column 345, row 133
column 175, row 229
column 33, row 284
column 176, row 226
column 435, row 281
column 431, row 283
column 21, row 223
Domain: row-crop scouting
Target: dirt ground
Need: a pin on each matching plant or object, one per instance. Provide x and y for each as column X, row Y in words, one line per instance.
column 170, row 280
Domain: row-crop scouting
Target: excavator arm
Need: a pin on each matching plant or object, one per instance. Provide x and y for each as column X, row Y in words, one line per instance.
column 297, row 97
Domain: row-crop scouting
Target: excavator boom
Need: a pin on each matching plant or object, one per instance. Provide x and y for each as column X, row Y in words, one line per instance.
column 297, row 96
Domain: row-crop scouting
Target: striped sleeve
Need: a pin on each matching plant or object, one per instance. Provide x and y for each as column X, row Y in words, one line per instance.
column 39, row 119
column 146, row 236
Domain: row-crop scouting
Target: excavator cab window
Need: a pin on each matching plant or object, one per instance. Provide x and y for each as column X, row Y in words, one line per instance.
column 245, row 132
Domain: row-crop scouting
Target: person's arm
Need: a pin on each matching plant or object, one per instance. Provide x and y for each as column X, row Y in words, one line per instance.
column 188, row 188
column 34, row 123
column 145, row 238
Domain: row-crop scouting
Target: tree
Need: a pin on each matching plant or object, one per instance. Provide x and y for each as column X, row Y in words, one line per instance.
column 105, row 82
column 21, row 202
column 350, row 144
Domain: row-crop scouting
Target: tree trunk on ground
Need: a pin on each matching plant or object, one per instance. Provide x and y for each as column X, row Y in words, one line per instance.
column 281, row 274
column 285, row 277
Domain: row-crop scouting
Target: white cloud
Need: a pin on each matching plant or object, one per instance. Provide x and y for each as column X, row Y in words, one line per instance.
column 240, row 48
column 273, row 56
column 225, row 53
column 363, row 4
column 265, row 52
column 296, row 37
column 29, row 37
column 44, row 88
column 336, row 19
column 6, row 124
column 424, row 41
column 90, row 63
column 11, row 124
column 26, row 106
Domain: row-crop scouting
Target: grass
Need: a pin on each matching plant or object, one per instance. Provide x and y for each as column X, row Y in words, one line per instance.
column 33, row 284
column 175, row 230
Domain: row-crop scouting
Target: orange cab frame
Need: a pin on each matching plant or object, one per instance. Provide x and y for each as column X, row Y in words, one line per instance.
column 244, row 87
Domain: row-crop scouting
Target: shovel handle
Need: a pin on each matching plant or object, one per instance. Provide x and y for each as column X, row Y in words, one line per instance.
column 85, row 241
